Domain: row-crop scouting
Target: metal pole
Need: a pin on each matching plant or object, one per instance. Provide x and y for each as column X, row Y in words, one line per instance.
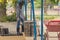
column 25, row 9
column 42, row 19
column 32, row 3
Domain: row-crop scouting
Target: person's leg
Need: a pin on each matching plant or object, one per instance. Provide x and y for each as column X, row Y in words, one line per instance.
column 18, row 26
column 22, row 24
column 23, row 27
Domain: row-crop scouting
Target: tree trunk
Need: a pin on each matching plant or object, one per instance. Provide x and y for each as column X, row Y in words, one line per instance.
column 3, row 8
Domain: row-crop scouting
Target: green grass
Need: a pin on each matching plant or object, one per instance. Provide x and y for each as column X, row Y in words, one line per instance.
column 12, row 18
column 47, row 17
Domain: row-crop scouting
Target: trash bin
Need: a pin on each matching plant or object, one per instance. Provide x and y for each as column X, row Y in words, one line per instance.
column 5, row 31
column 0, row 31
column 28, row 28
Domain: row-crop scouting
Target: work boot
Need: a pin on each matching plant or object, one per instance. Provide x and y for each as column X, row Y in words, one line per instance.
column 22, row 28
column 19, row 34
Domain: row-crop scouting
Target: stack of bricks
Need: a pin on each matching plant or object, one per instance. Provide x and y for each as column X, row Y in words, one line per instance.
column 28, row 28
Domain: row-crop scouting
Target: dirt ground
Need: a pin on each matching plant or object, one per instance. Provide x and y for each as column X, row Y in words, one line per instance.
column 12, row 38
column 17, row 38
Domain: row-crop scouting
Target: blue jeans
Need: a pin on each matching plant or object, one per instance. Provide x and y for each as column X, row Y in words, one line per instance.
column 18, row 25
